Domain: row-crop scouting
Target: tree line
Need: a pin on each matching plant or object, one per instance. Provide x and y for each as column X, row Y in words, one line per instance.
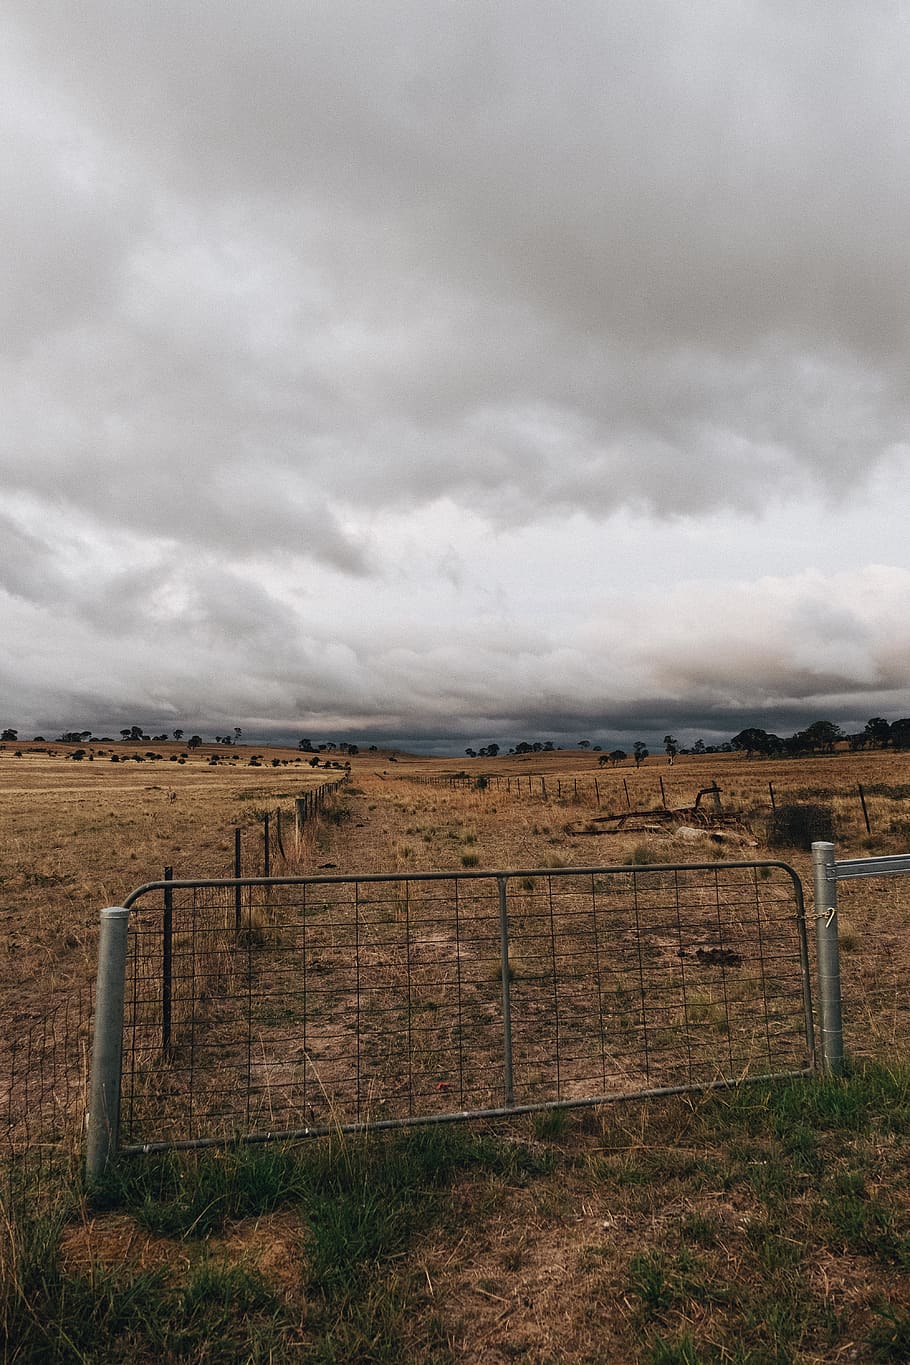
column 818, row 738
column 822, row 736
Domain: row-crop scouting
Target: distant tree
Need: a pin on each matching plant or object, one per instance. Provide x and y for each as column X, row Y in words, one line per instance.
column 878, row 732
column 584, row 744
column 698, row 747
column 39, row 739
column 237, row 733
column 490, row 751
column 125, row 733
column 471, row 753
column 11, row 735
column 639, row 752
column 306, row 745
column 900, row 733
column 194, row 741
column 753, row 740
column 617, row 756
column 178, row 735
column 822, row 736
column 314, row 762
column 548, row 746
column 671, row 747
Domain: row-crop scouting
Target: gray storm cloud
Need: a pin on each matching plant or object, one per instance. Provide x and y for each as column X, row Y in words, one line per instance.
column 279, row 274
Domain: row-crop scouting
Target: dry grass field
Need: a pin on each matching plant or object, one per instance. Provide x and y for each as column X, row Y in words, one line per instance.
column 80, row 835
column 632, row 1234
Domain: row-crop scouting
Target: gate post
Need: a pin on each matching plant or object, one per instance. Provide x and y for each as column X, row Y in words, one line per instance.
column 103, row 1126
column 828, row 958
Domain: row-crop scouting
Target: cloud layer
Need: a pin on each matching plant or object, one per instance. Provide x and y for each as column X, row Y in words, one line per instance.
column 344, row 344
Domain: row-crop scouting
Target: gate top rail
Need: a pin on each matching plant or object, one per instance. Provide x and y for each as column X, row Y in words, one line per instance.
column 480, row 874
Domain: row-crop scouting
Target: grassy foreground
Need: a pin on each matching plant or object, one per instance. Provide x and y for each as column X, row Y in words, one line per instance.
column 768, row 1224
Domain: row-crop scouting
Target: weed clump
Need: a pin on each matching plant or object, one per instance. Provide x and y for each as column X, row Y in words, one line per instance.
column 337, row 815
column 800, row 826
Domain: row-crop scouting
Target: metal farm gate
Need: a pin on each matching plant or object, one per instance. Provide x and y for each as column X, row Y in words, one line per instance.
column 256, row 1008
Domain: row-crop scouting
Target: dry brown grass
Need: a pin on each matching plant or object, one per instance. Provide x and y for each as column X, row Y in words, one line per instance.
column 78, row 836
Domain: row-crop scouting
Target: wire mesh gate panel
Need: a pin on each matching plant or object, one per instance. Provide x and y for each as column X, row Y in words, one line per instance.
column 295, row 1004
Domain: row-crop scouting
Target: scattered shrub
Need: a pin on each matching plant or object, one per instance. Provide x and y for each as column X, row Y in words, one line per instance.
column 800, row 826
column 336, row 815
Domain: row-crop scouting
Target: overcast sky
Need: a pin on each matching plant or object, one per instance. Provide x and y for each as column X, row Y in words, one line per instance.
column 457, row 371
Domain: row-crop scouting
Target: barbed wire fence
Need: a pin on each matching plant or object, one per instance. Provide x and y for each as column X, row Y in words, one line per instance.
column 666, row 799
column 44, row 1062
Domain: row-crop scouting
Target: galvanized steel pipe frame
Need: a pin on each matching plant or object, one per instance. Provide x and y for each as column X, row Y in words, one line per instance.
column 464, row 875
column 459, row 1115
column 502, row 877
column 104, row 1112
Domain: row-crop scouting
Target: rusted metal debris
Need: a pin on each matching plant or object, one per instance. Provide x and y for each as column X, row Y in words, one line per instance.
column 708, row 817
